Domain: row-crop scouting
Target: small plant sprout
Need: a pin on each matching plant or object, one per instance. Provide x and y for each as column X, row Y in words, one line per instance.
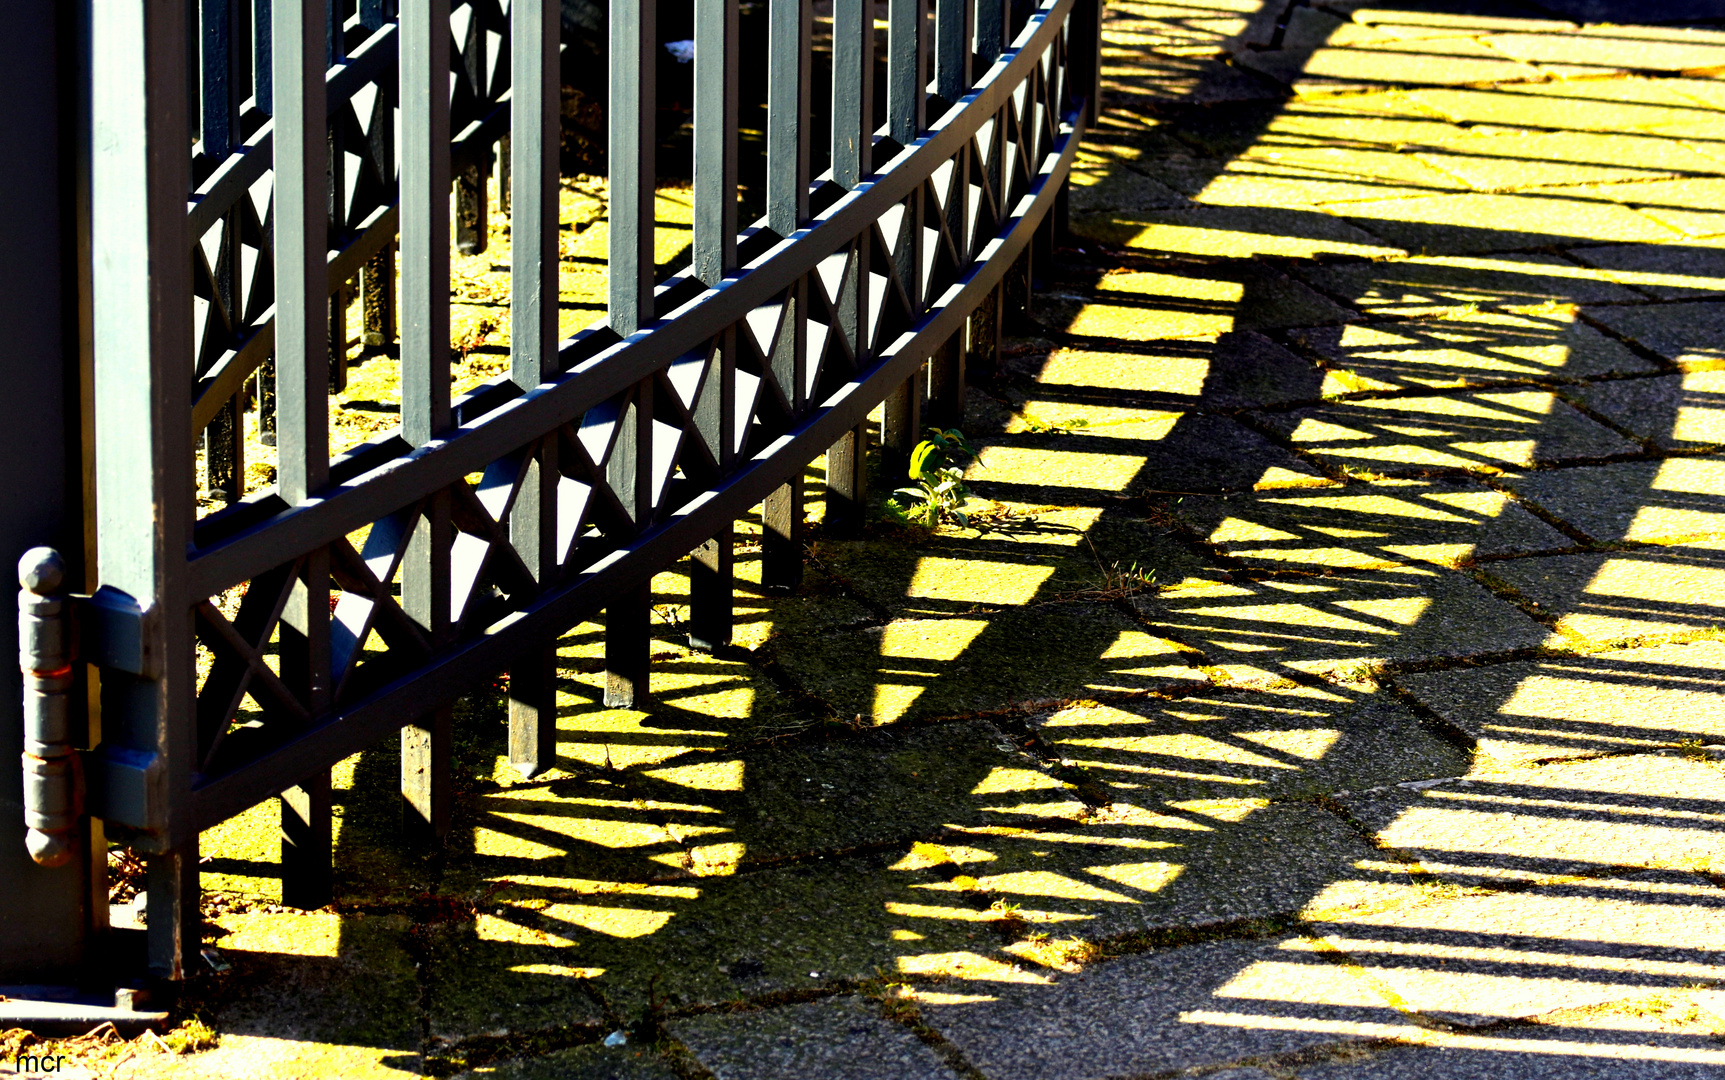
column 937, row 467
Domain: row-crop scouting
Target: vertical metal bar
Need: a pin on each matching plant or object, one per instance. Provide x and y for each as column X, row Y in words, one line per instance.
column 906, row 70
column 377, row 297
column 627, row 647
column 952, row 42
column 847, row 481
column 425, row 414
column 142, row 343
column 990, row 29
column 1084, row 61
column 303, row 350
column 533, row 278
column 901, row 423
column 219, row 22
column 263, row 78
column 472, row 207
column 337, row 302
column 853, row 91
column 712, row 571
column 633, row 139
column 716, row 108
column 301, row 243
column 781, row 537
column 946, row 382
column 788, row 93
column 424, row 219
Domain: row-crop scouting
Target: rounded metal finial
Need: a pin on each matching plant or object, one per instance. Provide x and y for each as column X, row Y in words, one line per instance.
column 42, row 571
column 49, row 849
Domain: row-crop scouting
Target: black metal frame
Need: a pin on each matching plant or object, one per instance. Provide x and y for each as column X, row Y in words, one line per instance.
column 605, row 458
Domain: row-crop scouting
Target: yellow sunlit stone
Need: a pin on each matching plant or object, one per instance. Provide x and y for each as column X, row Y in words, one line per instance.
column 1402, row 610
column 972, row 582
column 1309, row 743
column 707, row 776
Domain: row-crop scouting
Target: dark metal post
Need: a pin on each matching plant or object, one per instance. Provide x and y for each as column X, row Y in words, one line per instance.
column 143, row 371
column 634, row 59
column 716, row 107
column 425, row 413
column 51, row 918
column 303, row 366
column 533, row 358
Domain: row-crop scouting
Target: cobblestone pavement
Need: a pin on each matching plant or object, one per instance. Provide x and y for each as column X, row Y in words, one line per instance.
column 1390, row 341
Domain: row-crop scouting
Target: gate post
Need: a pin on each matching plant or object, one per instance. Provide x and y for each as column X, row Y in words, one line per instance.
column 50, row 917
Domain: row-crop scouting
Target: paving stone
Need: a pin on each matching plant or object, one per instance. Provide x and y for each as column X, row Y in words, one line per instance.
column 1128, row 869
column 1386, row 120
column 271, row 1007
column 705, row 941
column 1190, row 452
column 1584, row 817
column 1690, row 206
column 1452, row 224
column 1652, row 501
column 1240, row 369
column 518, row 971
column 1180, row 29
column 1480, row 430
column 1578, row 1049
column 1100, row 184
column 1237, row 232
column 1293, row 743
column 870, row 789
column 1188, row 301
column 1468, row 349
column 1484, row 959
column 1625, row 596
column 631, row 1061
column 1312, row 176
column 1577, row 706
column 1369, row 527
column 1672, row 411
column 914, row 668
column 840, row 1038
column 1583, row 105
column 1597, row 50
column 1688, row 334
column 1443, row 284
column 1157, row 1013
column 1605, row 11
column 1682, row 270
column 1325, row 54
column 1188, row 80
column 1511, row 159
column 1442, row 18
column 1341, row 625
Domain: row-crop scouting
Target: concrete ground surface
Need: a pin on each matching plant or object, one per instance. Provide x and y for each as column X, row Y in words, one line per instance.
column 1391, row 342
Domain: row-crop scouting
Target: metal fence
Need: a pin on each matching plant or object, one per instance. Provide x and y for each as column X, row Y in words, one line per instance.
column 325, row 137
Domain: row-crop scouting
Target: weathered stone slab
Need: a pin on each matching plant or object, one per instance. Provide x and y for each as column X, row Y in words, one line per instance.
column 1186, row 300
column 1582, row 105
column 1484, row 959
column 515, row 972
column 1686, row 334
column 631, row 1061
column 1293, row 743
column 917, row 667
column 1376, row 526
column 841, row 1038
column 1681, row 270
column 1191, row 80
column 1237, row 232
column 1476, row 431
column 1673, row 411
column 1690, row 206
column 869, row 789
column 1603, row 50
column 1433, row 285
column 1225, row 371
column 272, row 1007
column 1190, row 452
column 1581, row 1048
column 1654, row 501
column 1625, row 596
column 1586, row 817
column 1509, row 160
column 1313, row 176
column 1186, row 863
column 1468, row 349
column 1582, row 706
column 1100, row 184
column 1326, row 55
column 1343, row 626
column 1387, row 120
column 1157, row 1013
column 1461, row 224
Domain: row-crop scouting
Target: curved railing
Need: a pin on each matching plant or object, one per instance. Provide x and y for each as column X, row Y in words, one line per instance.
column 602, row 459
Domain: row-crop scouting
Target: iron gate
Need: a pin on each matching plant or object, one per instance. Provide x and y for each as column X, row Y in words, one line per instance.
column 326, row 136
